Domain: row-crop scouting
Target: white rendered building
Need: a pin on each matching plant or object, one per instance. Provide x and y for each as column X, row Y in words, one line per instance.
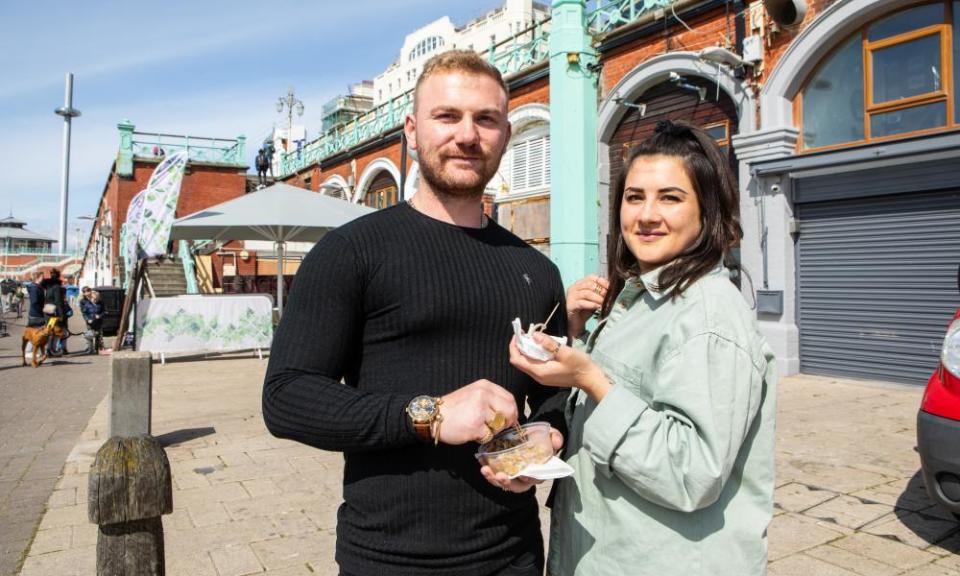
column 440, row 35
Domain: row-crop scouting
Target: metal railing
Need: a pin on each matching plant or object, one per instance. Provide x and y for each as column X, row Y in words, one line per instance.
column 199, row 149
column 608, row 15
column 523, row 50
column 38, row 261
column 23, row 250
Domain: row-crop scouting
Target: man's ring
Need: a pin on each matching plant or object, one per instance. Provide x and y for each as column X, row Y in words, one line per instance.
column 496, row 423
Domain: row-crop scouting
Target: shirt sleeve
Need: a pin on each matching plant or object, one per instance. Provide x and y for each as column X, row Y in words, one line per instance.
column 678, row 449
column 317, row 342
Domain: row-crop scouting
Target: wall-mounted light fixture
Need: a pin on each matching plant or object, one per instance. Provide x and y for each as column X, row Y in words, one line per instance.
column 639, row 106
column 573, row 58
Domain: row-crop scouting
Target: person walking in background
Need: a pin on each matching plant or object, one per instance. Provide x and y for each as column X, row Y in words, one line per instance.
column 18, row 297
column 395, row 352
column 55, row 309
column 8, row 288
column 72, row 291
column 671, row 422
column 35, row 316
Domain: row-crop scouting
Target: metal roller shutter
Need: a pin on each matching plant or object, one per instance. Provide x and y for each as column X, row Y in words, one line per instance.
column 877, row 282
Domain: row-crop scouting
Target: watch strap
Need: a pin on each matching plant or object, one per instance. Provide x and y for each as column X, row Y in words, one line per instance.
column 423, row 430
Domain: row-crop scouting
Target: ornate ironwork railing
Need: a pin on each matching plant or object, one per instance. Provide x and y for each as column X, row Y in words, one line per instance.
column 610, row 14
column 527, row 48
column 522, row 50
column 199, row 149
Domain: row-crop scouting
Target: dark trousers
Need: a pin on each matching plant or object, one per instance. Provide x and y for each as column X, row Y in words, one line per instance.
column 527, row 564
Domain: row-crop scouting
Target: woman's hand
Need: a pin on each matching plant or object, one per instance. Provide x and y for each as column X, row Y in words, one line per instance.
column 520, row 483
column 584, row 297
column 568, row 368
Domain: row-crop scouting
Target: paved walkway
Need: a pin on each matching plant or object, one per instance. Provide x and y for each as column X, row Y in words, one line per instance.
column 850, row 500
column 42, row 413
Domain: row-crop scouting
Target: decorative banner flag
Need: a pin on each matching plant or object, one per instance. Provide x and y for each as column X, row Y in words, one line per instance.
column 160, row 205
column 129, row 232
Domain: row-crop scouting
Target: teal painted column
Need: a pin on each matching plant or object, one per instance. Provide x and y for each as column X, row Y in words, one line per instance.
column 573, row 143
column 125, row 153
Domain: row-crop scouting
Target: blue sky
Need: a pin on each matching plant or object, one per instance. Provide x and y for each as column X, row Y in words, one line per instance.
column 210, row 68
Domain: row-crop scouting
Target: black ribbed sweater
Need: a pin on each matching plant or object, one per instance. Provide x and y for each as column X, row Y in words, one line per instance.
column 397, row 304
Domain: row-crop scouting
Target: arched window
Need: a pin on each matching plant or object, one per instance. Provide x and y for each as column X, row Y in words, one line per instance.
column 425, row 46
column 895, row 77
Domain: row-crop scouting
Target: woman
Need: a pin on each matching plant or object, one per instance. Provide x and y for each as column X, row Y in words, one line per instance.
column 672, row 418
column 55, row 310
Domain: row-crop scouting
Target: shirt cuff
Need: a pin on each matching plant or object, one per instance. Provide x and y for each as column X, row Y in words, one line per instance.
column 604, row 430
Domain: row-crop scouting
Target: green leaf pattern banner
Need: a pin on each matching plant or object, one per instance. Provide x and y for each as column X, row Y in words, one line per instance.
column 207, row 323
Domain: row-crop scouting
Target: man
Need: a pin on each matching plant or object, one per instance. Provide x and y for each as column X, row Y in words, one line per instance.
column 55, row 310
column 261, row 163
column 35, row 294
column 411, row 306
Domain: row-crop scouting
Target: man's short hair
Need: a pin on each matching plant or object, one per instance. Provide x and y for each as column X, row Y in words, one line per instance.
column 462, row 61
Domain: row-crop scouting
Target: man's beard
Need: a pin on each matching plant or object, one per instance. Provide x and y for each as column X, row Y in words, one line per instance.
column 443, row 184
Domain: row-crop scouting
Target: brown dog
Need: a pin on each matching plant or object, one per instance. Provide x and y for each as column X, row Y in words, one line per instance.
column 39, row 338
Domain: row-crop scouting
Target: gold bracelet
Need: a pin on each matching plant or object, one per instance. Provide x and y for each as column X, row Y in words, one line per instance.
column 436, row 428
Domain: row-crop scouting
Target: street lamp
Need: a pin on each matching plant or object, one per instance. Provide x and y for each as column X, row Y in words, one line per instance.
column 79, row 228
column 68, row 112
column 291, row 103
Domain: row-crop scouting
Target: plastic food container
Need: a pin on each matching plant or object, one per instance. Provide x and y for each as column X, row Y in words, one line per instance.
column 509, row 454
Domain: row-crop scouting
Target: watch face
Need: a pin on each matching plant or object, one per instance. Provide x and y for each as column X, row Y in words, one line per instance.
column 422, row 408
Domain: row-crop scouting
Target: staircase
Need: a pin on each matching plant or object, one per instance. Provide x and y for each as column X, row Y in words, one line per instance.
column 166, row 277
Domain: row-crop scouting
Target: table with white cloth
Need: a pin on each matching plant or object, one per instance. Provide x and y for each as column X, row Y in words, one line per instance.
column 204, row 323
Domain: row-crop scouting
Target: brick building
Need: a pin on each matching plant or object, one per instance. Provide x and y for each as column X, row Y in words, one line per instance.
column 840, row 117
column 215, row 173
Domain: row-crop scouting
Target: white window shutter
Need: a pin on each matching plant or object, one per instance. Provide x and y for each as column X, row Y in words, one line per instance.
column 535, row 162
column 546, row 160
column 520, row 167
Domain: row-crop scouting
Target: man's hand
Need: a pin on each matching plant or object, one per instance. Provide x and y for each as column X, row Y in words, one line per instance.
column 520, row 483
column 466, row 412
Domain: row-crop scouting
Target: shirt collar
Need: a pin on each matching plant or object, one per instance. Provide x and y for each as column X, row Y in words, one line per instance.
column 649, row 280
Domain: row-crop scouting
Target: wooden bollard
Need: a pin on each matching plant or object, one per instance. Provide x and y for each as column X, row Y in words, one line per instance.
column 130, row 489
column 129, row 483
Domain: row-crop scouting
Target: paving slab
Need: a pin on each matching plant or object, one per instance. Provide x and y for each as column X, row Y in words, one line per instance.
column 246, row 502
column 43, row 412
column 851, row 561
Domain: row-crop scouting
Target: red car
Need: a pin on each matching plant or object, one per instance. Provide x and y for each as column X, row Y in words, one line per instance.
column 938, row 425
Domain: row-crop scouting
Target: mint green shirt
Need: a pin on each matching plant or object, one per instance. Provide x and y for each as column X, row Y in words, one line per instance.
column 674, row 467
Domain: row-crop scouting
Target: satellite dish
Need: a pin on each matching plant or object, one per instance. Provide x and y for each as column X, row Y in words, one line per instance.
column 786, row 12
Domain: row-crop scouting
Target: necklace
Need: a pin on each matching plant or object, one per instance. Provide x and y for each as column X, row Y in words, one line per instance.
column 484, row 219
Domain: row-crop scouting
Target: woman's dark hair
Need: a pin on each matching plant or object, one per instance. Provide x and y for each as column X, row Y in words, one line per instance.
column 716, row 191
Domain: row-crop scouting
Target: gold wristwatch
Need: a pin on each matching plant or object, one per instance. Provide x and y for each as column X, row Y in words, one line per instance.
column 424, row 412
